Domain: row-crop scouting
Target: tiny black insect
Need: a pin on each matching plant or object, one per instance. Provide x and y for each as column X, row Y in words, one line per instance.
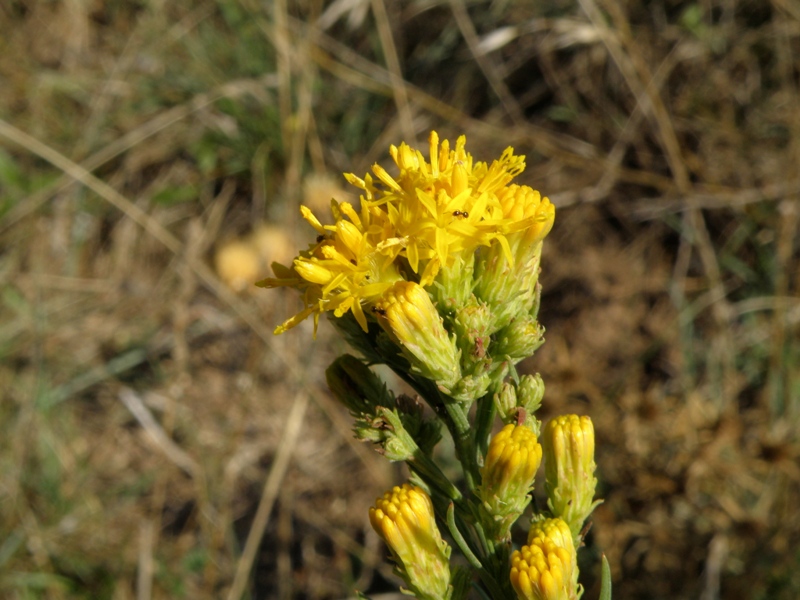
column 460, row 213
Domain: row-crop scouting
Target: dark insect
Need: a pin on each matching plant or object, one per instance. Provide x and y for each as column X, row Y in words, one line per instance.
column 460, row 213
column 379, row 311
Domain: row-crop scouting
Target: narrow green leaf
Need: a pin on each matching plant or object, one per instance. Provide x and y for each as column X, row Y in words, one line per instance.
column 605, row 582
column 459, row 539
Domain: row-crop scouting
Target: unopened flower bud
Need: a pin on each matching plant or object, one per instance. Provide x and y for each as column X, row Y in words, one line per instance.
column 406, row 313
column 546, row 568
column 472, row 326
column 569, row 469
column 516, row 403
column 404, row 518
column 507, row 476
column 506, row 274
column 530, row 391
column 505, row 403
column 519, row 339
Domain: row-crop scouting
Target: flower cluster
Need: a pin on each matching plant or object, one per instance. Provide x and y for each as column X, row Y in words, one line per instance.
column 444, row 257
column 436, row 275
column 432, row 216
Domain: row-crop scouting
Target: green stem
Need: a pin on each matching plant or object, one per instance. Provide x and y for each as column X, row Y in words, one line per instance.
column 432, row 474
column 458, row 423
column 494, row 587
column 484, row 419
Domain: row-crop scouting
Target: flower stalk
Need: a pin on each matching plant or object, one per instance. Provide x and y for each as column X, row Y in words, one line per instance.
column 436, row 274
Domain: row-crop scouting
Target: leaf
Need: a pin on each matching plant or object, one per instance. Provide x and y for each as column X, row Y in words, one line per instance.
column 605, row 583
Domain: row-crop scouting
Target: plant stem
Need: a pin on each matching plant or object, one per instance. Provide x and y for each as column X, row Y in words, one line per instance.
column 484, row 418
column 458, row 423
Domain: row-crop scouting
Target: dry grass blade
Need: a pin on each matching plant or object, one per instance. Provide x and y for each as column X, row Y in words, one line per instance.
column 148, row 223
column 396, row 74
column 171, row 450
column 270, row 493
column 151, row 127
column 144, row 579
column 499, row 86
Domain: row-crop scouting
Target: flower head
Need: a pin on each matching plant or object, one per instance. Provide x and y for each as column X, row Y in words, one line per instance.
column 430, row 217
column 341, row 272
column 546, row 568
column 407, row 314
column 569, row 469
column 404, row 518
column 442, row 208
column 507, row 475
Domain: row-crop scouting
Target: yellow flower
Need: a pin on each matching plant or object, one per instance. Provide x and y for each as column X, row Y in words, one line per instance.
column 342, row 272
column 433, row 215
column 546, row 568
column 444, row 208
column 404, row 518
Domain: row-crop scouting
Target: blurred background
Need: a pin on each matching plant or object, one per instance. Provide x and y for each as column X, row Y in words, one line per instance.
column 156, row 441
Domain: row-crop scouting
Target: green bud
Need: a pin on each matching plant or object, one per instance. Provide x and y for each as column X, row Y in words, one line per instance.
column 470, row 388
column 530, row 391
column 385, row 429
column 516, row 403
column 397, row 444
column 505, row 402
column 519, row 339
column 473, row 328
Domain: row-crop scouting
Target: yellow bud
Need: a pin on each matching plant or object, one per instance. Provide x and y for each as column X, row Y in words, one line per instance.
column 569, row 469
column 406, row 312
column 546, row 568
column 556, row 530
column 507, row 475
column 404, row 518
